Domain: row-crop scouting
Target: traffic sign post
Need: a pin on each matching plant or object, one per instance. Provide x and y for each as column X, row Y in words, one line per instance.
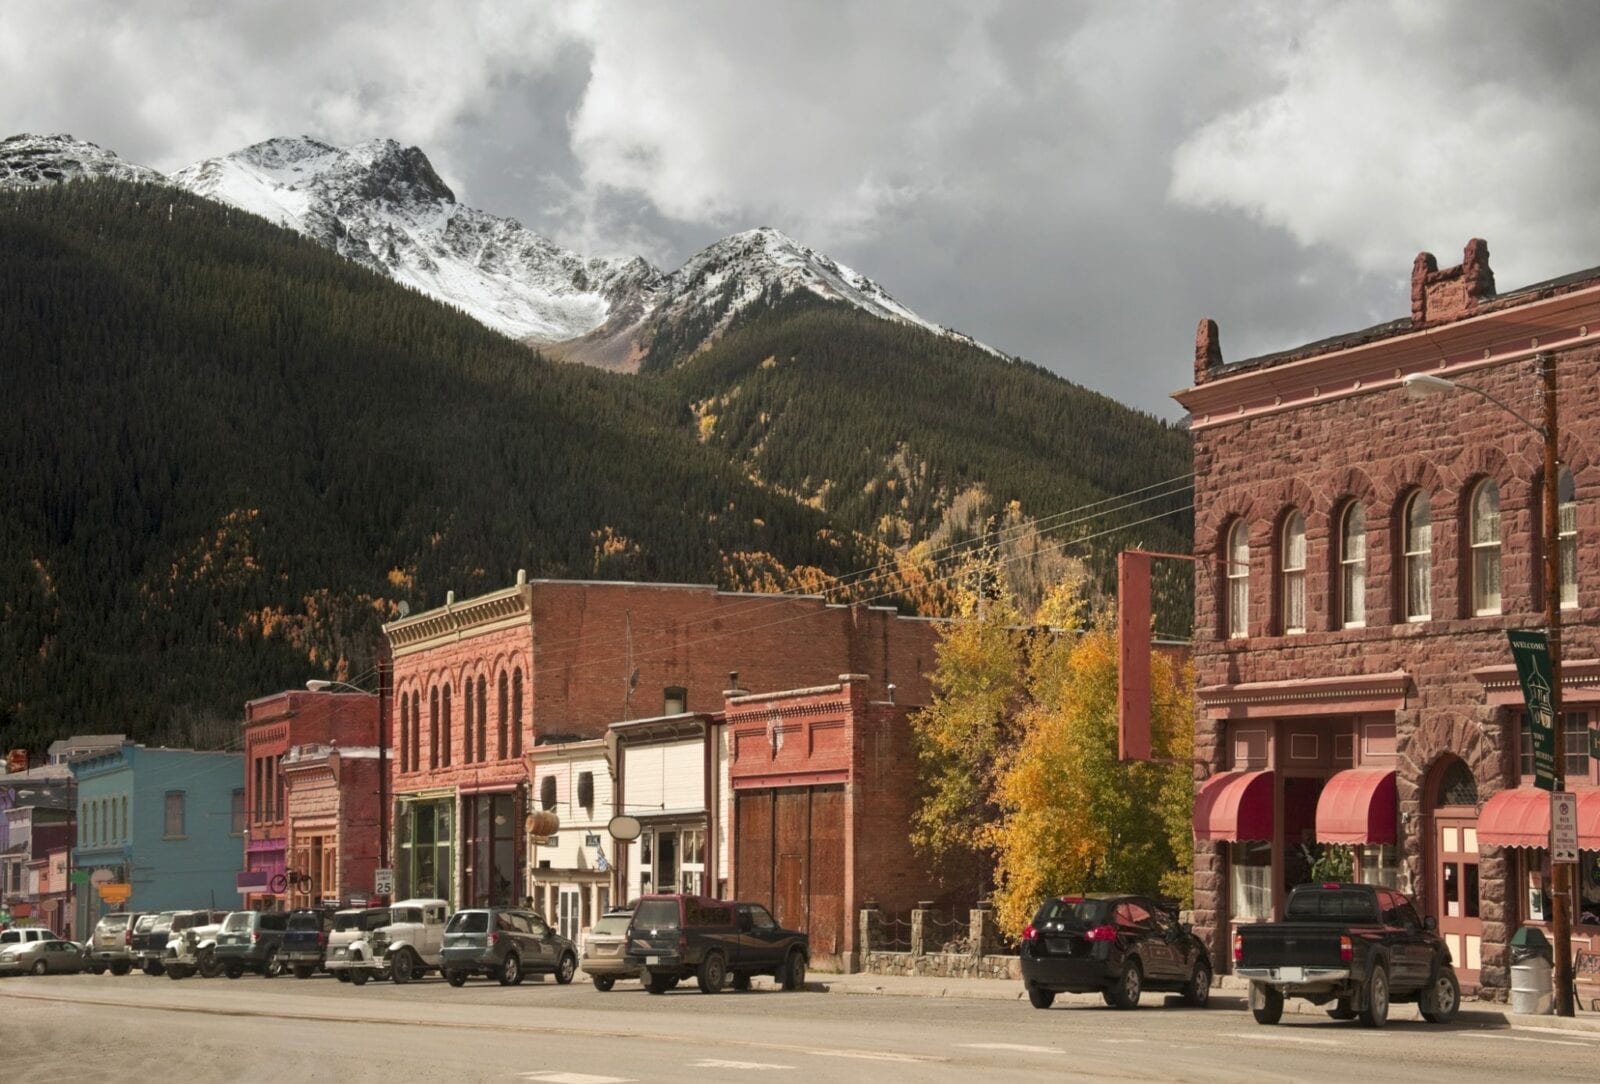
column 383, row 883
column 1563, row 827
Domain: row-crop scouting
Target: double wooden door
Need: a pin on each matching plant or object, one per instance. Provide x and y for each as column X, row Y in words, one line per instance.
column 1454, row 891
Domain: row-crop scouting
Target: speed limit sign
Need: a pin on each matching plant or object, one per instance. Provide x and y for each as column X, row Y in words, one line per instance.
column 383, row 882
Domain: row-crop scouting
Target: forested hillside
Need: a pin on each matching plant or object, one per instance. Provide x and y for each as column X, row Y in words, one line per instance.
column 226, row 454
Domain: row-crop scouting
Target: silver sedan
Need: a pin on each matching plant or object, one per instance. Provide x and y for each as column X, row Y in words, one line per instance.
column 41, row 958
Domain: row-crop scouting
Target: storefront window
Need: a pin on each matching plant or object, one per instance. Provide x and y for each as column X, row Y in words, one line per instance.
column 1380, row 865
column 1250, row 869
column 1589, row 888
column 491, row 872
column 425, row 849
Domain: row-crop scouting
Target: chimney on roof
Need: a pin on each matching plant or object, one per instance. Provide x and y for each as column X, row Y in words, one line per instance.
column 1449, row 294
column 1207, row 350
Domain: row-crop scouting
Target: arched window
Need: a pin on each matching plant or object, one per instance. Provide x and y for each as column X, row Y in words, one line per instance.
column 1485, row 536
column 466, row 724
column 1293, row 584
column 1418, row 533
column 433, row 727
column 516, row 712
column 1238, row 566
column 416, row 731
column 444, row 730
column 1567, row 503
column 503, row 718
column 483, row 717
column 403, row 743
column 1353, row 566
column 1458, row 786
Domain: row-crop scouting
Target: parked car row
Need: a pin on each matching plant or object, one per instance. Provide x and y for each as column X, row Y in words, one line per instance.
column 1357, row 948
column 659, row 940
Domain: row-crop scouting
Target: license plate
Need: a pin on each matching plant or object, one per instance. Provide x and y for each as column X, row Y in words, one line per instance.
column 1292, row 974
column 652, row 959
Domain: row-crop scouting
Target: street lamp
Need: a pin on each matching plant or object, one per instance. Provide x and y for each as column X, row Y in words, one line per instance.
column 317, row 685
column 1421, row 385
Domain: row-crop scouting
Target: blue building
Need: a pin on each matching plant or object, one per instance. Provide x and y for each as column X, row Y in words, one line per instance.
column 163, row 828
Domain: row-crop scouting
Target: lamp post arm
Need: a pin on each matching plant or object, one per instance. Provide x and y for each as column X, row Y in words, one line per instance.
column 1538, row 430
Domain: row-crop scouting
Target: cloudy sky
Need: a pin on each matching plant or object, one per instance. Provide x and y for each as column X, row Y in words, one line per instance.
column 1077, row 183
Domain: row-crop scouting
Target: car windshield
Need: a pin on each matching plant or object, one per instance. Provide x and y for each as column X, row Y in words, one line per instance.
column 657, row 914
column 1331, row 903
column 407, row 914
column 611, row 925
column 1072, row 911
column 468, row 922
column 145, row 924
column 239, row 920
column 305, row 921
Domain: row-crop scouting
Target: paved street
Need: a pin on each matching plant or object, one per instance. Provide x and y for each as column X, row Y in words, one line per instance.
column 108, row 1028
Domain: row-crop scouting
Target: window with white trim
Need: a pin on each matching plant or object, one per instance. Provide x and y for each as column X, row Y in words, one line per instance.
column 1238, row 574
column 1353, row 566
column 1485, row 544
column 1293, row 587
column 1567, row 531
column 1418, row 532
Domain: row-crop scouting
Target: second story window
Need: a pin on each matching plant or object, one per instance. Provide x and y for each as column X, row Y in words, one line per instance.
column 172, row 825
column 237, row 812
column 433, row 727
column 1418, row 534
column 1567, row 501
column 674, row 700
column 1294, row 573
column 1353, row 566
column 1238, row 570
column 1485, row 535
column 446, row 738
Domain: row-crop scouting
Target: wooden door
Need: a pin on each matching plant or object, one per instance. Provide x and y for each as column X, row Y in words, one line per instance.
column 790, row 904
column 1454, row 892
column 825, row 894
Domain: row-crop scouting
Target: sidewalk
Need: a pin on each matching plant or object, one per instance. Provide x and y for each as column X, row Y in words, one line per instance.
column 1229, row 994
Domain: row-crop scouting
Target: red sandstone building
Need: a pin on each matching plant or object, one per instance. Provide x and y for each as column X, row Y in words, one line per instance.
column 1361, row 555
column 477, row 682
column 332, row 794
column 824, row 784
column 273, row 726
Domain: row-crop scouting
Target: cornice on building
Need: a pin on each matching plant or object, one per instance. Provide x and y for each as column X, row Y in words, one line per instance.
column 457, row 621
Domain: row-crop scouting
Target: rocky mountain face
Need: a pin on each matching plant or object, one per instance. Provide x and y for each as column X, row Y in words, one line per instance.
column 384, row 206
column 29, row 160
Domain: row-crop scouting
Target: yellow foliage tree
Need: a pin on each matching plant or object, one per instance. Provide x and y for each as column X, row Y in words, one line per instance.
column 1071, row 816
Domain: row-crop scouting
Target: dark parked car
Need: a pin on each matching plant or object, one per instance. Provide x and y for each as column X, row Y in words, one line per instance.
column 1359, row 947
column 305, row 941
column 505, row 943
column 251, row 941
column 675, row 937
column 605, row 957
column 150, row 941
column 1118, row 946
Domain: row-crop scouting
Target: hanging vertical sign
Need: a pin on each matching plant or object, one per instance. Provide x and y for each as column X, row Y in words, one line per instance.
column 1563, row 826
column 1531, row 650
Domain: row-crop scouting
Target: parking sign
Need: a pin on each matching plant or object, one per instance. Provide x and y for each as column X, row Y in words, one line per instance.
column 1563, row 827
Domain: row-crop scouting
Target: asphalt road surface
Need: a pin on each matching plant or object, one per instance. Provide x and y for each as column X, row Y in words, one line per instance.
column 141, row 1030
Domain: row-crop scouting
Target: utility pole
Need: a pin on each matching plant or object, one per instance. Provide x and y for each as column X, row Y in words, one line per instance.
column 385, row 676
column 1561, row 872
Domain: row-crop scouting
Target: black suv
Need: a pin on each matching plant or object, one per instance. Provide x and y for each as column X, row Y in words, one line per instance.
column 305, row 941
column 505, row 943
column 674, row 937
column 1119, row 946
column 250, row 941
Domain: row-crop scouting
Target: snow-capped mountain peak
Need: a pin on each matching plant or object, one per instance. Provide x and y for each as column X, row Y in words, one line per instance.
column 29, row 160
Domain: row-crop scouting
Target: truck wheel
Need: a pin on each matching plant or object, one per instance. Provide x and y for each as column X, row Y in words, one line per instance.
column 1375, row 1005
column 343, row 975
column 273, row 967
column 1198, row 993
column 177, row 971
column 233, row 971
column 1341, row 1010
column 511, row 971
column 1441, row 1000
column 359, row 978
column 121, row 968
column 712, row 974
column 603, row 983
column 566, row 969
column 304, row 971
column 154, row 968
column 455, row 977
column 656, row 983
column 794, row 972
column 210, row 966
column 1125, row 994
column 1266, row 1003
column 98, row 969
column 404, row 968
column 740, row 981
column 1040, row 998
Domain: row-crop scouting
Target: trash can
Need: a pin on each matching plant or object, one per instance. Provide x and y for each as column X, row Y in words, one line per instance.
column 1532, row 988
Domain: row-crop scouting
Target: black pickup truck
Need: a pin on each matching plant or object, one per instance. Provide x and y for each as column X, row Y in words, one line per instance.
column 675, row 937
column 1359, row 947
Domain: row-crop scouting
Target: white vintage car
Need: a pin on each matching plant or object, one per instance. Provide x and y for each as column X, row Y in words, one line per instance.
column 410, row 946
column 192, row 944
column 348, row 941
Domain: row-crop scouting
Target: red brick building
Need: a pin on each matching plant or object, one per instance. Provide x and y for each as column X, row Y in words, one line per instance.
column 333, row 798
column 476, row 681
column 272, row 726
column 1361, row 555
column 824, row 785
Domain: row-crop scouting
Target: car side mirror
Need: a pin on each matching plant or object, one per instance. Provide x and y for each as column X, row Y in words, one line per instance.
column 1430, row 923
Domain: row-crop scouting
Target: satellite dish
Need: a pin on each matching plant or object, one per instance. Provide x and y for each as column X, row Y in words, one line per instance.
column 405, row 608
column 624, row 828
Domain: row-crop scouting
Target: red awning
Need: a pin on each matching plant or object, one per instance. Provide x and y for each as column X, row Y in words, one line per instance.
column 1521, row 818
column 1234, row 806
column 1357, row 806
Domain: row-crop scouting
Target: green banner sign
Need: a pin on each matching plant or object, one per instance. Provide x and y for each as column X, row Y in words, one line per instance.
column 78, row 877
column 1531, row 650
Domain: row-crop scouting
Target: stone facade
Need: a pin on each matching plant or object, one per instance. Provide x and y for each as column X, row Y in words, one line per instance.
column 1319, row 429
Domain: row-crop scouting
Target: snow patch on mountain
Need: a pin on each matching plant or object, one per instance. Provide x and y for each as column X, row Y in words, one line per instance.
column 27, row 161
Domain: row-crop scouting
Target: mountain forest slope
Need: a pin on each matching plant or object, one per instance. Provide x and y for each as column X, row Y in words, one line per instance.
column 228, row 453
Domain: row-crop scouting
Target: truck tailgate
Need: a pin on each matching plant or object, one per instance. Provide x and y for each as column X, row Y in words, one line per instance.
column 1286, row 945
